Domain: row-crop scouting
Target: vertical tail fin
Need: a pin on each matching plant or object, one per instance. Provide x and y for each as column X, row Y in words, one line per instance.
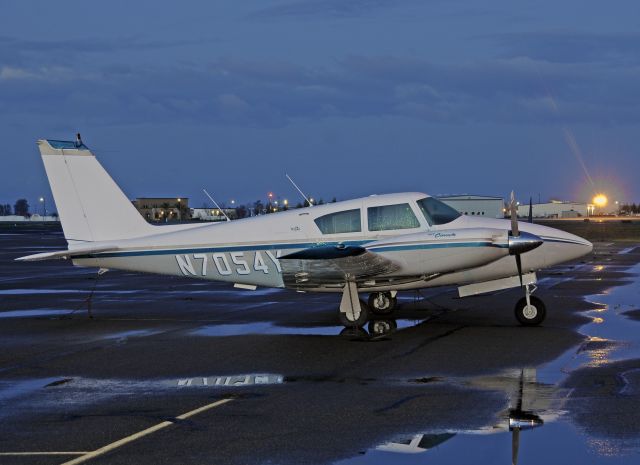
column 90, row 204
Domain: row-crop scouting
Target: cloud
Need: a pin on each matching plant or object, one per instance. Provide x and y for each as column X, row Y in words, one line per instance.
column 10, row 72
column 25, row 52
column 274, row 93
column 325, row 8
column 91, row 44
column 571, row 47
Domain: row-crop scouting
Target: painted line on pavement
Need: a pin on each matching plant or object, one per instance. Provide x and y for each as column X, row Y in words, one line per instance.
column 145, row 432
column 17, row 454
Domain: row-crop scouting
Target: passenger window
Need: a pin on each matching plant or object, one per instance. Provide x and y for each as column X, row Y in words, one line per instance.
column 388, row 217
column 340, row 222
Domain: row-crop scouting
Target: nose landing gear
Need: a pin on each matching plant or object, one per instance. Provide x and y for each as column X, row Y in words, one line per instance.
column 530, row 311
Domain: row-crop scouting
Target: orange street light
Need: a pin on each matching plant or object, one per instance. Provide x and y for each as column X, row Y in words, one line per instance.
column 600, row 200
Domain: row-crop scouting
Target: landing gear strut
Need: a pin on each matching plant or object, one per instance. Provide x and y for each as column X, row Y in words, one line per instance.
column 382, row 303
column 530, row 311
column 353, row 311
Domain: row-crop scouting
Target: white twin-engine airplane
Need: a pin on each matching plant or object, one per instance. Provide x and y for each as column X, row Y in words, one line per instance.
column 378, row 245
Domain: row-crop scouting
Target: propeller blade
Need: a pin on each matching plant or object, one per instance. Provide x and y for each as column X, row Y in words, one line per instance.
column 519, row 265
column 514, row 216
column 530, row 210
column 515, row 445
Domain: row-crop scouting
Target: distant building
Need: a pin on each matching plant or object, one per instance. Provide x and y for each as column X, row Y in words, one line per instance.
column 35, row 218
column 213, row 214
column 476, row 205
column 163, row 209
column 556, row 209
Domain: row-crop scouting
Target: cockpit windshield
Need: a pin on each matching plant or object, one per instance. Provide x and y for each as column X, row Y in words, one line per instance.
column 437, row 212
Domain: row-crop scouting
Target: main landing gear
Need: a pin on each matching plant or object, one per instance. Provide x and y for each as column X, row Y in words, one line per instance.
column 355, row 312
column 382, row 303
column 530, row 311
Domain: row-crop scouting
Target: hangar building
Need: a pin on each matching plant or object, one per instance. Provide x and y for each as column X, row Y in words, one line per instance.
column 556, row 209
column 476, row 205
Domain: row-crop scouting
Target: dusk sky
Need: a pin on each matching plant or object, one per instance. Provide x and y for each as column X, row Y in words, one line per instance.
column 350, row 98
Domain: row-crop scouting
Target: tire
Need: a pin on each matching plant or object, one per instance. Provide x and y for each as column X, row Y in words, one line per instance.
column 382, row 327
column 532, row 316
column 362, row 319
column 381, row 303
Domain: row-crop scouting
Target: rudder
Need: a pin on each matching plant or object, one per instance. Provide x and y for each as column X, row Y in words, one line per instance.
column 90, row 204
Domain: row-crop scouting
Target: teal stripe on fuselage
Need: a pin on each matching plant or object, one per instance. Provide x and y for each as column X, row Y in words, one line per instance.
column 451, row 245
column 250, row 248
column 561, row 241
column 234, row 248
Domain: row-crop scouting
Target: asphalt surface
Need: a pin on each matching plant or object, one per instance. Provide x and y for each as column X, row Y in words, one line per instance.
column 162, row 352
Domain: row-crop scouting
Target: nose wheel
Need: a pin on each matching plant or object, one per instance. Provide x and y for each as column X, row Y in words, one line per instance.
column 530, row 310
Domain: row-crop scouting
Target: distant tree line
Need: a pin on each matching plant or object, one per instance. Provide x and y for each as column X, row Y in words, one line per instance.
column 5, row 210
column 20, row 208
column 264, row 208
column 630, row 209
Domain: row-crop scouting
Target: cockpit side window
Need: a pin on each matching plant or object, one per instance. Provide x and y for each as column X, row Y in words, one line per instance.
column 347, row 221
column 387, row 217
column 437, row 212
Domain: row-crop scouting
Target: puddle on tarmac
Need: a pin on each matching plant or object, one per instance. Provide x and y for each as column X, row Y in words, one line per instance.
column 12, row 389
column 272, row 329
column 541, row 438
column 552, row 443
column 611, row 323
column 32, row 313
column 58, row 291
column 612, row 336
column 123, row 335
column 62, row 393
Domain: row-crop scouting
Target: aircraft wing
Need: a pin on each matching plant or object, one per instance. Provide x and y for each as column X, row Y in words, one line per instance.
column 331, row 264
column 65, row 254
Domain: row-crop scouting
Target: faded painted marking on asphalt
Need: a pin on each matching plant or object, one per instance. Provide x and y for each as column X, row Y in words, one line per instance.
column 143, row 433
column 237, row 380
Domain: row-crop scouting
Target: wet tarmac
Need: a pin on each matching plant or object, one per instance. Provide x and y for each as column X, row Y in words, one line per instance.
column 170, row 370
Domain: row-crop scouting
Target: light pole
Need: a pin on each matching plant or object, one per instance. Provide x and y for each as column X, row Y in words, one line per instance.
column 43, row 201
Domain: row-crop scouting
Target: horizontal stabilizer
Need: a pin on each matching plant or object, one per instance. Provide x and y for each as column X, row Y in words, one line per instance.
column 65, row 254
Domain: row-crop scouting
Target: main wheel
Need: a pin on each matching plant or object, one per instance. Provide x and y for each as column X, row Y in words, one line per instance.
column 358, row 322
column 381, row 303
column 530, row 315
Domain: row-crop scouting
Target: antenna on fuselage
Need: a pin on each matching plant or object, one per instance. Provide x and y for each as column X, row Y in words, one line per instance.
column 216, row 204
column 298, row 189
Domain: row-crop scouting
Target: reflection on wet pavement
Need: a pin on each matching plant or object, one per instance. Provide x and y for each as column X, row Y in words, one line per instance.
column 538, row 405
column 556, row 443
column 611, row 324
column 530, row 405
column 257, row 328
column 32, row 313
